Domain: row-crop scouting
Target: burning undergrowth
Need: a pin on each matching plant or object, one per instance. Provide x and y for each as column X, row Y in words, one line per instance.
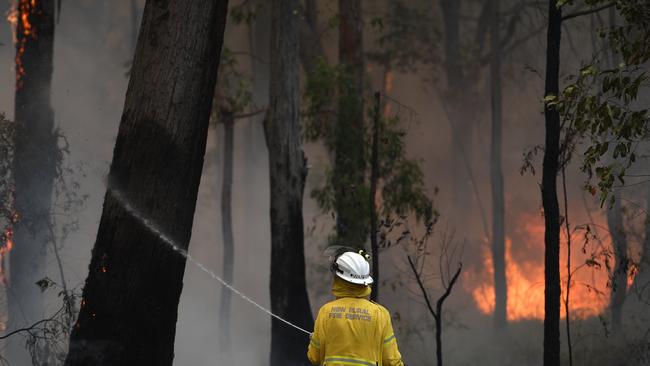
column 591, row 270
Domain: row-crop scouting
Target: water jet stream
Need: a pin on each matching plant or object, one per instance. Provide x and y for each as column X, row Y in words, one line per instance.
column 157, row 231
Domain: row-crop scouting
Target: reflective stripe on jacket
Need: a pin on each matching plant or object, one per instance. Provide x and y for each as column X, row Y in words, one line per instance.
column 353, row 331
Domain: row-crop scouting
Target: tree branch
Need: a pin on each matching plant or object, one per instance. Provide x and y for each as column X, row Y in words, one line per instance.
column 424, row 291
column 31, row 327
column 588, row 11
column 249, row 114
column 450, row 287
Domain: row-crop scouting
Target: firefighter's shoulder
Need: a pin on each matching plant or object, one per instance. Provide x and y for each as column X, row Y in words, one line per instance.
column 381, row 308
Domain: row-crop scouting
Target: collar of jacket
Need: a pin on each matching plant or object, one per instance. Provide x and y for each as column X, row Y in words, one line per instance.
column 342, row 288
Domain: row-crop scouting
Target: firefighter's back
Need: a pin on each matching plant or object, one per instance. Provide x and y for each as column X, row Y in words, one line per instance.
column 353, row 332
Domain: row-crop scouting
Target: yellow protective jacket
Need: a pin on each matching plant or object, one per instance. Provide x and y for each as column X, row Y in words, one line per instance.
column 353, row 331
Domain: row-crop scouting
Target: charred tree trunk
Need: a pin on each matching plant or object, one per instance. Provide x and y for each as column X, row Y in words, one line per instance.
column 228, row 259
column 287, row 168
column 496, row 175
column 35, row 159
column 130, row 299
column 619, row 275
column 549, row 192
column 349, row 166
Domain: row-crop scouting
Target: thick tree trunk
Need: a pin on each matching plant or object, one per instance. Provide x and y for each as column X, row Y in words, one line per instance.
column 461, row 91
column 228, row 259
column 349, row 167
column 35, row 159
column 496, row 174
column 619, row 275
column 129, row 308
column 549, row 192
column 287, row 168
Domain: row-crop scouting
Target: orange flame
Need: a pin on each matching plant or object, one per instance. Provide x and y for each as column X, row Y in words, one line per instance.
column 18, row 17
column 589, row 292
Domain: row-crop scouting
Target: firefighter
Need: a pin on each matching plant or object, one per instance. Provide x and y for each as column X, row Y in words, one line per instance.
column 353, row 330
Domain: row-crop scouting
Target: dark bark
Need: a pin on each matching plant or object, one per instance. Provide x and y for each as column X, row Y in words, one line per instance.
column 35, row 159
column 549, row 192
column 287, row 168
column 496, row 174
column 130, row 299
column 228, row 259
column 349, row 167
column 619, row 275
column 374, row 176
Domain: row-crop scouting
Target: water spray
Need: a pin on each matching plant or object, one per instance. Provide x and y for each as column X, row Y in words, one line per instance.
column 157, row 231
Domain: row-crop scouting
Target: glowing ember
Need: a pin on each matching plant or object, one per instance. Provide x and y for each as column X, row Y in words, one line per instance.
column 525, row 275
column 4, row 250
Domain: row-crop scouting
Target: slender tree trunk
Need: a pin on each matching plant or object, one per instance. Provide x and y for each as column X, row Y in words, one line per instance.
column 349, row 169
column 451, row 22
column 130, row 299
column 287, row 168
column 311, row 47
column 35, row 159
column 226, row 227
column 569, row 276
column 619, row 275
column 549, row 193
column 496, row 174
column 260, row 69
column 253, row 148
column 438, row 340
column 374, row 177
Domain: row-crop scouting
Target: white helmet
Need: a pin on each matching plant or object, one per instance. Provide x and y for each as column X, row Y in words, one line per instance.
column 352, row 267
